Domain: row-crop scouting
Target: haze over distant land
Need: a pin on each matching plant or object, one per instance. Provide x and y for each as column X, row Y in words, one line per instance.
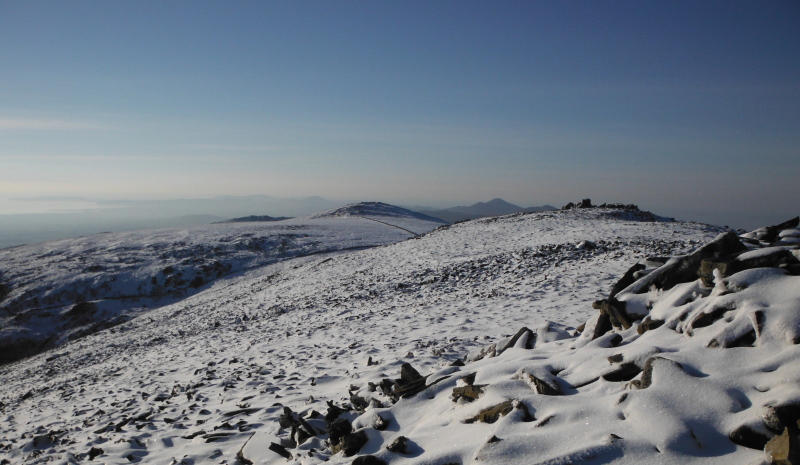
column 55, row 218
column 688, row 109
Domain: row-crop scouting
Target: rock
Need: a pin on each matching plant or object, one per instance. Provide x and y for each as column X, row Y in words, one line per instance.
column 784, row 449
column 457, row 363
column 626, row 280
column 707, row 267
column 770, row 233
column 625, row 372
column 526, row 414
column 333, row 412
column 579, row 330
column 778, row 417
column 685, row 269
column 603, row 325
column 543, row 387
column 484, row 352
column 280, row 450
column 408, row 374
column 339, row 429
column 492, row 414
column 94, row 452
column 373, row 420
column 368, row 460
column 351, row 443
column 615, row 310
column 399, row 445
column 647, row 324
column 244, row 411
column 415, row 388
column 530, row 341
column 647, row 373
column 468, row 393
column 381, row 423
column 468, row 379
column 747, row 436
column 359, row 402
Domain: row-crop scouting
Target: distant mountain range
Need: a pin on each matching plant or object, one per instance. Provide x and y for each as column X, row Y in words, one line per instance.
column 494, row 207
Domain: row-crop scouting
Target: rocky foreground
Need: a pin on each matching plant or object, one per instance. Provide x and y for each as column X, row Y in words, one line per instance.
column 381, row 356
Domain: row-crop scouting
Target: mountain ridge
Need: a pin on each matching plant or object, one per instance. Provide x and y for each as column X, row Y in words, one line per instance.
column 494, row 207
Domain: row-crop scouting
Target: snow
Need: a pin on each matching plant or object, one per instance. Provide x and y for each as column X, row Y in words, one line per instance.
column 215, row 369
column 126, row 274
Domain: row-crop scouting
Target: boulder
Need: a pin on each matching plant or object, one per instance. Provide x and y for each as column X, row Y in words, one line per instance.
column 627, row 279
column 468, row 393
column 685, row 269
column 399, row 445
column 750, row 437
column 784, row 449
column 351, row 443
column 492, row 414
column 339, row 429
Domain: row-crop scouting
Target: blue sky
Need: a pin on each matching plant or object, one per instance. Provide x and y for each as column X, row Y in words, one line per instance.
column 690, row 109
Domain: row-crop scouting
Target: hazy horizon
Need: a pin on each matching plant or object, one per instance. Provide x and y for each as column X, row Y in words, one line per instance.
column 56, row 218
column 688, row 109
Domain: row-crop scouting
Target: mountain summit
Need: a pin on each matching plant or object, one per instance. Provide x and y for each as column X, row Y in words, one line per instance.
column 380, row 209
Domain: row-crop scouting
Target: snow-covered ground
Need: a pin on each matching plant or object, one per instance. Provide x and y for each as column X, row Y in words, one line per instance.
column 244, row 370
column 121, row 275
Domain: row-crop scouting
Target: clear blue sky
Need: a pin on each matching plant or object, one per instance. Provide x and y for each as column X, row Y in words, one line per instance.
column 689, row 108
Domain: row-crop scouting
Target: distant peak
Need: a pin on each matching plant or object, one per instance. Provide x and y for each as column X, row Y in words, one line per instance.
column 374, row 209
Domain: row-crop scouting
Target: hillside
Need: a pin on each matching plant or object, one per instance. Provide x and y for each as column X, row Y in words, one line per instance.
column 60, row 291
column 402, row 218
column 245, row 364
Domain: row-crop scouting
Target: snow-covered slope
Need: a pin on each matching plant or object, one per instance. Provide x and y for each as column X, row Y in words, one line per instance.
column 59, row 291
column 240, row 371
